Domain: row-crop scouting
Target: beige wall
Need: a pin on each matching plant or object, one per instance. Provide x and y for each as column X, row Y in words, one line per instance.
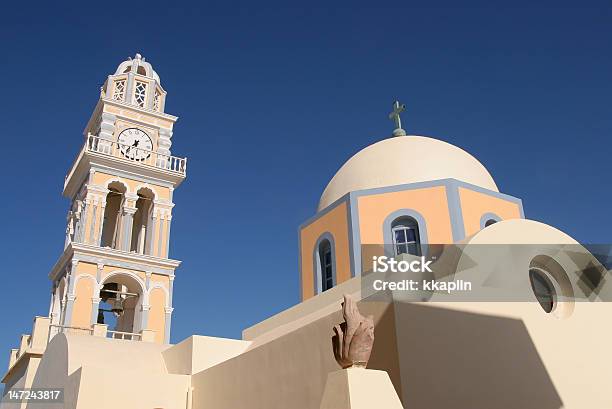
column 103, row 179
column 198, row 353
column 291, row 370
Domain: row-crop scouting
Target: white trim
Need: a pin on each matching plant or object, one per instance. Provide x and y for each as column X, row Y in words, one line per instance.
column 135, row 107
column 89, row 276
column 131, row 274
column 166, row 292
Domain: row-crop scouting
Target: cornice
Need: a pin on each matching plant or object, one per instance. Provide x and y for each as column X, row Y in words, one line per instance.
column 87, row 161
column 89, row 253
column 160, row 115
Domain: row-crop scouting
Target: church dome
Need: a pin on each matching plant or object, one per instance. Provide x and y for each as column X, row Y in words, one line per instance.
column 405, row 159
column 137, row 65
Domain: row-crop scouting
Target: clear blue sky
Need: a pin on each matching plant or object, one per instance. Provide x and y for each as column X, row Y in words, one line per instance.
column 272, row 99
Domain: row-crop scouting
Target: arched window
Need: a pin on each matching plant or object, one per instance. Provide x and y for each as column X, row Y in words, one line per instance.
column 112, row 215
column 140, row 93
column 142, row 221
column 488, row 219
column 326, row 265
column 405, row 235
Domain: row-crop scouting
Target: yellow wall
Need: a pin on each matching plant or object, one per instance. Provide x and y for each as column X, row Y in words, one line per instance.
column 157, row 314
column 475, row 204
column 431, row 203
column 335, row 222
column 81, row 312
column 101, row 179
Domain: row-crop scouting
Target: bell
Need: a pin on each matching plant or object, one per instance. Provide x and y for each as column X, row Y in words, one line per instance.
column 117, row 307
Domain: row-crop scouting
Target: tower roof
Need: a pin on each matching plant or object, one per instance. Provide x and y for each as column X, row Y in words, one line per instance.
column 137, row 65
column 402, row 160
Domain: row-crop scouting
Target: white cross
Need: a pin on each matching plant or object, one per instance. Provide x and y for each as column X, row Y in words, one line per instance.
column 395, row 115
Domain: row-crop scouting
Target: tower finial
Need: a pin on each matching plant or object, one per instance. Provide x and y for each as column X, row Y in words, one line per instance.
column 395, row 117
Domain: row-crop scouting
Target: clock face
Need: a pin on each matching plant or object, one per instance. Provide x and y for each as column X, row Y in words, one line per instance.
column 135, row 144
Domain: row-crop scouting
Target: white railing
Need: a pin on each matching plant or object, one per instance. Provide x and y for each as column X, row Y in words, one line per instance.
column 134, row 154
column 61, row 329
column 123, row 335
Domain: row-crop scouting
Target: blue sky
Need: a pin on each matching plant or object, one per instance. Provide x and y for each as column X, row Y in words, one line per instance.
column 272, row 99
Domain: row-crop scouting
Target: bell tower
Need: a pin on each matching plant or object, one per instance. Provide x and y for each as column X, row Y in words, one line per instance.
column 115, row 268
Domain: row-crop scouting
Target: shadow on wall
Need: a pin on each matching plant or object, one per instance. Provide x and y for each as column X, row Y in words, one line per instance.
column 436, row 358
column 453, row 359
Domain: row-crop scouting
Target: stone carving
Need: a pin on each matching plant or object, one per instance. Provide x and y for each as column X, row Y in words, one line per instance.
column 353, row 339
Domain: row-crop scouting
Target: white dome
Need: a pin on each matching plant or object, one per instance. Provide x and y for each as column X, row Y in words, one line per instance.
column 405, row 159
column 137, row 65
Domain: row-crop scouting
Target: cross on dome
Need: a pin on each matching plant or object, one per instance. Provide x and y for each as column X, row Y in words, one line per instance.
column 395, row 117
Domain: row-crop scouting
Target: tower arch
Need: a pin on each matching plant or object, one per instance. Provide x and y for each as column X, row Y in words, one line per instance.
column 111, row 223
column 122, row 297
column 142, row 221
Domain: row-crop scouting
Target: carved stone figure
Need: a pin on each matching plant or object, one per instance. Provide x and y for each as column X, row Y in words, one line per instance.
column 353, row 339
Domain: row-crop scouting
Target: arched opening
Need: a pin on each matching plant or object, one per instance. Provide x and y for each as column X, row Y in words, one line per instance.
column 141, row 70
column 543, row 288
column 326, row 268
column 121, row 299
column 141, row 229
column 490, row 222
column 112, row 215
column 405, row 235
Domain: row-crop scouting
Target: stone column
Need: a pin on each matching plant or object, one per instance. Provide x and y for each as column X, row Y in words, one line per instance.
column 168, row 311
column 84, row 219
column 94, row 220
column 170, row 288
column 129, row 89
column 151, row 88
column 151, row 233
column 145, row 307
column 168, row 223
column 102, row 208
column 107, row 131
column 95, row 305
column 70, row 296
column 126, row 228
column 144, row 316
column 163, row 148
column 78, row 221
column 161, row 234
